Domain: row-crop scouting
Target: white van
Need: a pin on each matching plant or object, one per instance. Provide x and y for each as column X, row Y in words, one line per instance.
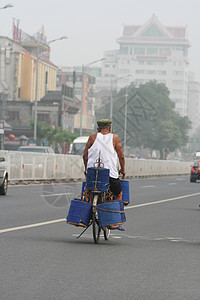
column 78, row 145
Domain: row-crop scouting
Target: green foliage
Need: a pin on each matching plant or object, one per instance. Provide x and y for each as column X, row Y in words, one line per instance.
column 151, row 119
column 53, row 135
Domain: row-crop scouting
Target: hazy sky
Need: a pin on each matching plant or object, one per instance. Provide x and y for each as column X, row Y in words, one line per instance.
column 93, row 26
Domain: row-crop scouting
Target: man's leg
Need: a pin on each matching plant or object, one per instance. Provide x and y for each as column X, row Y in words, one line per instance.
column 116, row 189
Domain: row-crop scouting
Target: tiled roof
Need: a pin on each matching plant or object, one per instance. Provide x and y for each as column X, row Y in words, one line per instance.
column 177, row 32
column 130, row 30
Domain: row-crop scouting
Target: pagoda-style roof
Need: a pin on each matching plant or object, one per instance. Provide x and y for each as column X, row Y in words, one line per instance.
column 154, row 31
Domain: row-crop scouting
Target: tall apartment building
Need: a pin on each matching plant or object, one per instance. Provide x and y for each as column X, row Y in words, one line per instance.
column 151, row 52
column 194, row 106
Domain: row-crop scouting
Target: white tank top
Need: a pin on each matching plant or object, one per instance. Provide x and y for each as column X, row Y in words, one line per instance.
column 108, row 155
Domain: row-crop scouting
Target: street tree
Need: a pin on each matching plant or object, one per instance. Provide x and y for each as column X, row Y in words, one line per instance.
column 152, row 121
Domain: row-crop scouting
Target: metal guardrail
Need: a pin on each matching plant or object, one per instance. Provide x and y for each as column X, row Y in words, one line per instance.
column 24, row 166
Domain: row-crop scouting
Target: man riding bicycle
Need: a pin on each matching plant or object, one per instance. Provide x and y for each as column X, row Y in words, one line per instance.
column 109, row 146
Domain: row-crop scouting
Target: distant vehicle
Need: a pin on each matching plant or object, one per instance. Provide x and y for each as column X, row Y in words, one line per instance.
column 193, row 175
column 78, row 145
column 38, row 149
column 197, row 155
column 3, row 177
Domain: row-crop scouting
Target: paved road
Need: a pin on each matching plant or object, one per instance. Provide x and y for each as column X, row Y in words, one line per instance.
column 157, row 257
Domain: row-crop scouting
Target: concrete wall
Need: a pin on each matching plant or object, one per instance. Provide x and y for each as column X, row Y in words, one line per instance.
column 34, row 166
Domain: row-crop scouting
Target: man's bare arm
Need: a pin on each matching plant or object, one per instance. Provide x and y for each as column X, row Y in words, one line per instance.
column 87, row 146
column 120, row 154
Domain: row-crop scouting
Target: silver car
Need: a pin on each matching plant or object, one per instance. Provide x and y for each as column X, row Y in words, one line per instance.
column 3, row 177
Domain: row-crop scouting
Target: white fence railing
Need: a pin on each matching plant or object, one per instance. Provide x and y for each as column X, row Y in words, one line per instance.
column 34, row 166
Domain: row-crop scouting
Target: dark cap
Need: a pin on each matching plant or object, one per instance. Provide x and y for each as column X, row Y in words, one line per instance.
column 104, row 123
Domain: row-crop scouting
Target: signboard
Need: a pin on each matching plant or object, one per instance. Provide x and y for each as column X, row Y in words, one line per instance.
column 31, row 142
column 1, row 131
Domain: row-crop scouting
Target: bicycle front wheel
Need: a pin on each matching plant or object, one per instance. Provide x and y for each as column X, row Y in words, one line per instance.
column 106, row 233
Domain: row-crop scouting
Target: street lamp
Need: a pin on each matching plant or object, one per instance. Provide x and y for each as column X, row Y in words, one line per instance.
column 82, row 96
column 111, row 90
column 36, row 84
column 7, row 6
column 125, row 108
column 125, row 119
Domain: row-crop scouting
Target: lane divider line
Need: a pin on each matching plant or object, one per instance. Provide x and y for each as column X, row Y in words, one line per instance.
column 147, row 186
column 162, row 201
column 32, row 225
column 64, row 220
column 53, row 195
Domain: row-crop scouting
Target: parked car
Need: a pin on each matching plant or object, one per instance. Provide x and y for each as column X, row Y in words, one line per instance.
column 3, row 177
column 39, row 149
column 193, row 175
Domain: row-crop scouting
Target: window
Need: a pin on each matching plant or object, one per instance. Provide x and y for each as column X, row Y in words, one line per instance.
column 151, row 62
column 43, row 117
column 161, row 72
column 124, row 50
column 178, row 82
column 177, row 92
column 165, row 52
column 139, row 51
column 177, row 73
column 13, row 115
column 79, row 78
column 152, row 51
column 139, row 71
column 123, row 71
column 69, row 78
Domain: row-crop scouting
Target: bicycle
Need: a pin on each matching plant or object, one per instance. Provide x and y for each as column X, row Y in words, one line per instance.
column 97, row 193
column 96, row 197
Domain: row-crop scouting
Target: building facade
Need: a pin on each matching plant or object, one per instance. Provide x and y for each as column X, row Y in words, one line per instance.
column 18, row 65
column 151, row 52
column 83, row 85
column 193, row 112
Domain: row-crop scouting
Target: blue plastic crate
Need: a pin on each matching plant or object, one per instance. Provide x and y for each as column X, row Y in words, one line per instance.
column 97, row 179
column 109, row 213
column 79, row 213
column 125, row 191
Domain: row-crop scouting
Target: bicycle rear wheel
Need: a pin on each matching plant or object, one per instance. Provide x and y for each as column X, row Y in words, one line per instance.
column 95, row 223
column 96, row 229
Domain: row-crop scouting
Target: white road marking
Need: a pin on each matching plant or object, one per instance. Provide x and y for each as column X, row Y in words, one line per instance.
column 64, row 220
column 147, row 186
column 52, row 195
column 162, row 201
column 31, row 225
column 172, row 183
